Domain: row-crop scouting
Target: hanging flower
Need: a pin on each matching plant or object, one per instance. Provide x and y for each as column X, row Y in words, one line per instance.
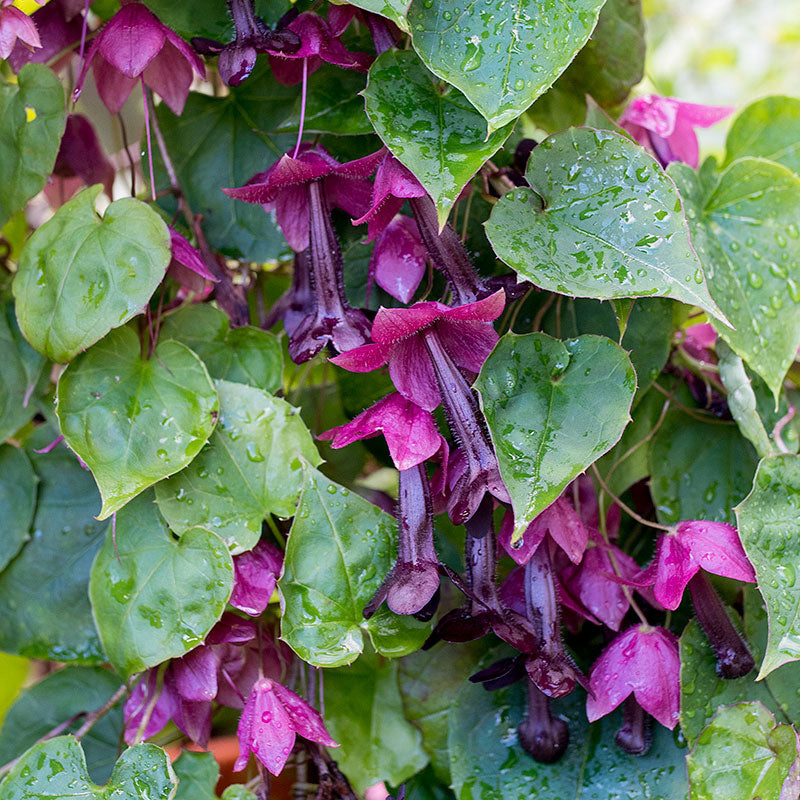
column 15, row 25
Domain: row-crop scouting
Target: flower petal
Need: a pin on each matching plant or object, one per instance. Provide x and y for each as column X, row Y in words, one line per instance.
column 467, row 342
column 675, row 567
column 715, row 547
column 305, row 719
column 265, row 728
column 394, row 324
column 169, row 75
column 255, row 574
column 113, row 87
column 363, row 359
column 412, row 373
column 194, row 676
column 398, row 259
column 132, row 39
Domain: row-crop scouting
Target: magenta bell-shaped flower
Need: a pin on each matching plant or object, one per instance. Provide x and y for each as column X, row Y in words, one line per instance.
column 318, row 44
column 255, row 575
column 666, row 126
column 80, row 155
column 643, row 661
column 398, row 259
column 58, row 28
column 134, row 45
column 410, row 431
column 271, row 719
column 15, row 25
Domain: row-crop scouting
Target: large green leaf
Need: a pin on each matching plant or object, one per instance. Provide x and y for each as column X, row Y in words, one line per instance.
column 17, row 499
column 44, row 607
column 432, row 129
column 395, row 10
column 340, row 548
column 32, row 119
column 769, row 528
column 23, row 374
column 80, row 275
column 745, row 230
column 60, row 696
column 134, row 422
column 364, row 714
column 501, row 56
column 768, row 128
column 607, row 68
column 197, row 775
column 553, row 409
column 244, row 355
column 743, row 754
column 222, row 142
column 153, row 597
column 429, row 682
column 56, row 770
column 700, row 468
column 601, row 219
column 487, row 762
column 251, row 467
column 703, row 692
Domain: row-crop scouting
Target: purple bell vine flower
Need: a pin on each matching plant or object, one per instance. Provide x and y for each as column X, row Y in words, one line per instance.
column 300, row 189
column 58, row 28
column 426, row 346
column 394, row 184
column 318, row 44
column 135, row 46
column 410, row 431
column 666, row 126
column 543, row 736
column 15, row 25
column 255, row 575
column 385, row 34
column 186, row 265
column 642, row 661
column 398, row 259
column 272, row 718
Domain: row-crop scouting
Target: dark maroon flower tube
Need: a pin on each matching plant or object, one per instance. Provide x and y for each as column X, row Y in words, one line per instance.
column 543, row 736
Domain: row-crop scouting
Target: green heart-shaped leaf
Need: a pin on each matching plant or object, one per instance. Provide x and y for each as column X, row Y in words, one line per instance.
column 601, row 219
column 155, row 597
column 501, row 56
column 433, row 130
column 251, row 467
column 744, row 754
column 32, row 120
column 553, row 409
column 770, row 532
column 339, row 550
column 17, row 499
column 80, row 275
column 395, row 10
column 243, row 355
column 745, row 231
column 134, row 422
column 56, row 770
column 197, row 775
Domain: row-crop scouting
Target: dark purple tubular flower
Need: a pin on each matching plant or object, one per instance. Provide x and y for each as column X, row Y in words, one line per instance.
column 683, row 554
column 426, row 347
column 318, row 44
column 410, row 431
column 414, row 579
column 134, row 45
column 394, row 184
column 271, row 719
column 57, row 28
column 543, row 736
column 237, row 59
column 255, row 575
column 300, row 190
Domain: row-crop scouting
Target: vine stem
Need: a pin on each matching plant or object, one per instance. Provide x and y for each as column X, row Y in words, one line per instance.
column 626, row 508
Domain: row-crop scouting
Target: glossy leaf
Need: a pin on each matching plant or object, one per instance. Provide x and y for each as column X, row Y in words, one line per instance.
column 395, row 10
column 251, row 467
column 153, row 597
column 57, row 769
column 364, row 714
column 429, row 683
column 197, row 775
column 434, row 131
column 133, row 421
column 17, row 499
column 23, row 374
column 746, row 233
column 607, row 68
column 744, row 754
column 339, row 550
column 503, row 56
column 703, row 692
column 44, row 607
column 56, row 698
column 487, row 762
column 769, row 529
column 80, row 275
column 553, row 409
column 768, row 128
column 222, row 142
column 32, row 121
column 601, row 219
column 243, row 355
column 700, row 468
